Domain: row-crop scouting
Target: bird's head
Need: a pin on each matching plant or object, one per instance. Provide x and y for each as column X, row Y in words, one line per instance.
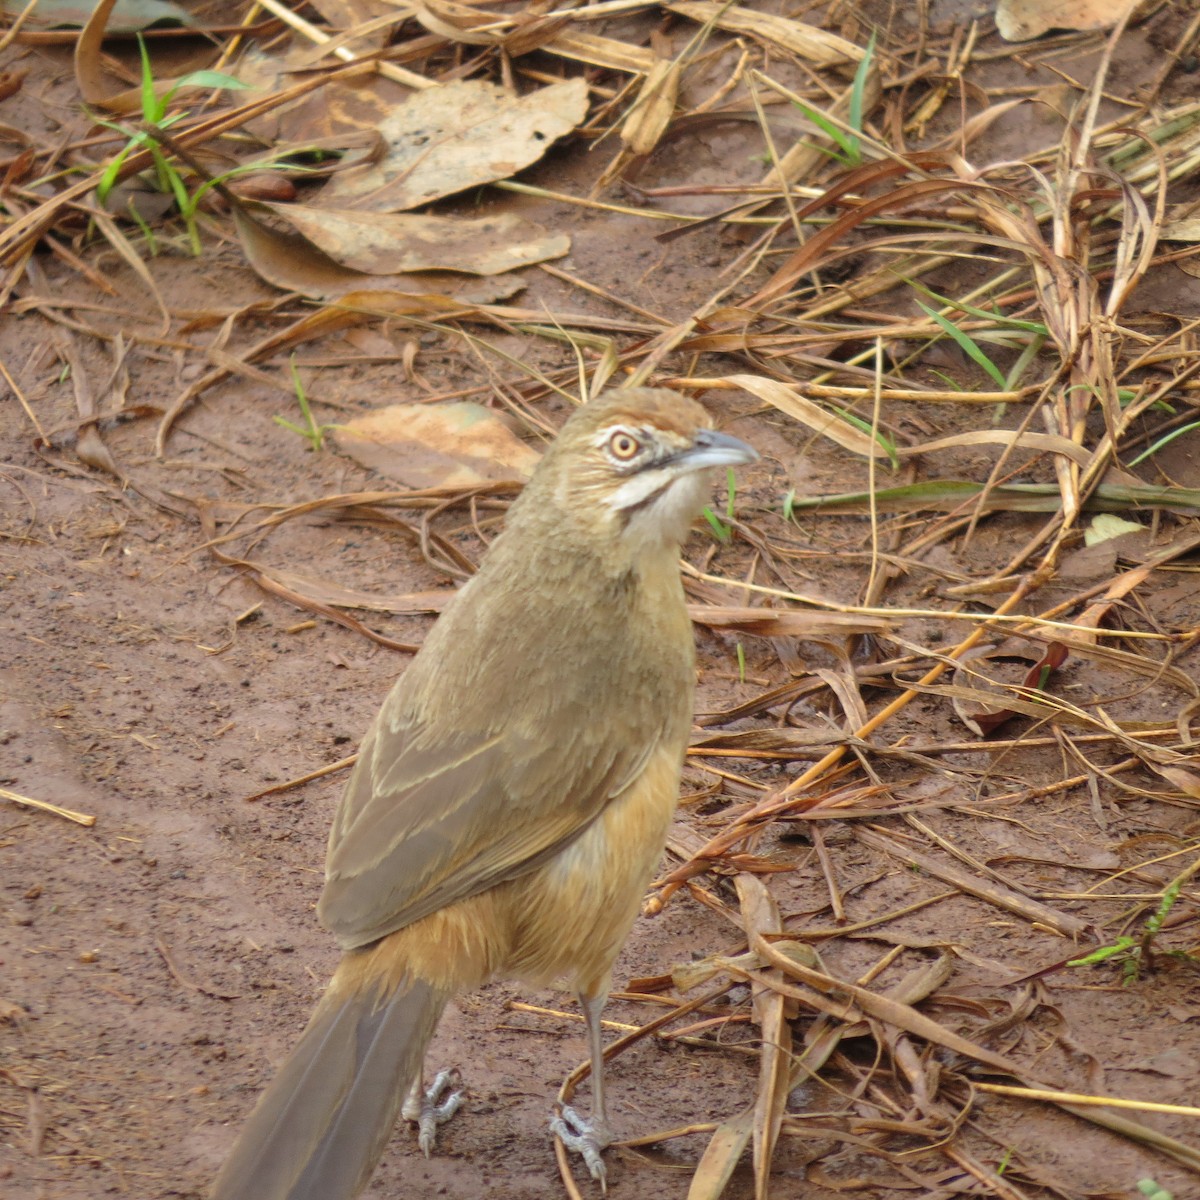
column 634, row 466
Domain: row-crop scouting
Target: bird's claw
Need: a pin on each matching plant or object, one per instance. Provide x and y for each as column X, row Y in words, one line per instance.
column 577, row 1133
column 434, row 1106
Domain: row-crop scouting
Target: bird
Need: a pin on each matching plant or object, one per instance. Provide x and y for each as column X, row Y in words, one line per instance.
column 511, row 799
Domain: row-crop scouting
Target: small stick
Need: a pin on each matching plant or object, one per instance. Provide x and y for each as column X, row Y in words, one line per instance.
column 1002, row 1089
column 78, row 817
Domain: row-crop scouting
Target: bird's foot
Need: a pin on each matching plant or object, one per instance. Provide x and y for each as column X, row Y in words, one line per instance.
column 584, row 1138
column 434, row 1106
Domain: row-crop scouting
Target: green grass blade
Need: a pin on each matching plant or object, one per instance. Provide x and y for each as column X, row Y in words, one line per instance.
column 858, row 91
column 969, row 347
column 981, row 314
column 847, row 145
column 1165, row 440
column 719, row 528
column 150, row 106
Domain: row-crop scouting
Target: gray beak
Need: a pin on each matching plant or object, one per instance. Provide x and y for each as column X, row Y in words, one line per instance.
column 713, row 449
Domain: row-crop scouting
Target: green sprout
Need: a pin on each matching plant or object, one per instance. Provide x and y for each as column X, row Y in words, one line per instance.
column 156, row 114
column 312, row 433
column 849, row 144
column 1132, row 952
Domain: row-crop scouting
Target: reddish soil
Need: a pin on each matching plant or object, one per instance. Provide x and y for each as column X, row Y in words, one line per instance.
column 156, row 966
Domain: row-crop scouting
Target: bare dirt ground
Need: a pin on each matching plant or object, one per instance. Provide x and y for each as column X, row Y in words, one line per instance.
column 157, row 964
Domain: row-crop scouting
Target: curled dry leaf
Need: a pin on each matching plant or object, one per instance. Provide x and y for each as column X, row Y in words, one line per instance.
column 290, row 261
column 984, row 720
column 450, row 445
column 651, row 113
column 384, row 243
column 458, row 136
column 1021, row 20
column 531, row 32
column 11, row 83
column 456, row 22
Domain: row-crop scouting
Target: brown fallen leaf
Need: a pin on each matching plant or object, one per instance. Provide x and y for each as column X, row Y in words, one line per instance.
column 447, row 445
column 458, row 136
column 1022, row 20
column 288, row 260
column 384, row 243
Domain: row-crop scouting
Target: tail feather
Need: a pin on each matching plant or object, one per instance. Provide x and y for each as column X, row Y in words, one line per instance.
column 323, row 1122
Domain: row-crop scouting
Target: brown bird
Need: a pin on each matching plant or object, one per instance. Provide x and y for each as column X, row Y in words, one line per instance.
column 512, row 797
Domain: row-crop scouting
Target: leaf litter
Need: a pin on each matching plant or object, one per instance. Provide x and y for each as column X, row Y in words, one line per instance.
column 900, row 294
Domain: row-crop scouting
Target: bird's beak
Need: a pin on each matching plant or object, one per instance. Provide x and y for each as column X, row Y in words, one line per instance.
column 712, row 449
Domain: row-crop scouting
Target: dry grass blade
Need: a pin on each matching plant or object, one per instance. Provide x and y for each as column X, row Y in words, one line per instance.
column 822, row 48
column 721, row 1156
column 999, row 1089
column 45, row 806
column 776, row 622
column 788, row 400
column 770, row 807
column 989, row 890
column 760, row 915
column 835, row 994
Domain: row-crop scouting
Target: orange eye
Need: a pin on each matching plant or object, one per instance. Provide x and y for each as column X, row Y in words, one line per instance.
column 624, row 446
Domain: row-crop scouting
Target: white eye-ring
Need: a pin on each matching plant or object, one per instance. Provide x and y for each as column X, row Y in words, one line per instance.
column 623, row 446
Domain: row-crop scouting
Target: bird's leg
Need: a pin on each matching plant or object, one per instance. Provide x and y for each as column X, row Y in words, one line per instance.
column 589, row 1136
column 433, row 1106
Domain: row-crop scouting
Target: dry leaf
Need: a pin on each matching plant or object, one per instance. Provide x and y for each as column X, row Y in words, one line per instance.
column 458, row 136
column 603, row 52
column 1103, row 527
column 385, row 243
column 808, row 41
column 290, row 261
column 788, row 400
column 448, row 445
column 1021, row 20
column 986, row 719
column 721, row 1156
column 652, row 111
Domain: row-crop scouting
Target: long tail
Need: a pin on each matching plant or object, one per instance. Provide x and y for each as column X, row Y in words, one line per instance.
column 323, row 1122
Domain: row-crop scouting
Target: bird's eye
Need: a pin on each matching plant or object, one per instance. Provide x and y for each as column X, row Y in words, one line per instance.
column 624, row 446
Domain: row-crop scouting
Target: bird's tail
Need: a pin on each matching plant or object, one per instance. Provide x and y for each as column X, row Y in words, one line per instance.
column 323, row 1122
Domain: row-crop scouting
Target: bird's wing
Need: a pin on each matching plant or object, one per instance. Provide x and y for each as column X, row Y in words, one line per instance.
column 423, row 825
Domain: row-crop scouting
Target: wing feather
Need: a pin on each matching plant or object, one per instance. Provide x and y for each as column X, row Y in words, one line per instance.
column 422, row 826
